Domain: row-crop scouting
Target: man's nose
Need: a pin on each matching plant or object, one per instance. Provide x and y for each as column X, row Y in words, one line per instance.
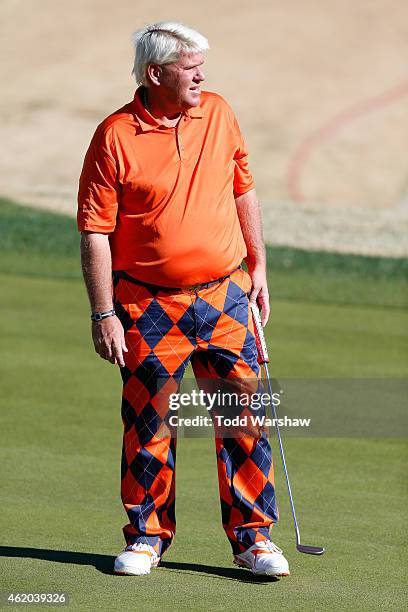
column 199, row 75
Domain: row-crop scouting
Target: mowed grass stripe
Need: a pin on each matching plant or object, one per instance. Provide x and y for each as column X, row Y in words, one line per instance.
column 48, row 244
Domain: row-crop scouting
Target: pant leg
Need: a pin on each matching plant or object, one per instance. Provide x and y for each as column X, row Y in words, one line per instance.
column 227, row 350
column 159, row 336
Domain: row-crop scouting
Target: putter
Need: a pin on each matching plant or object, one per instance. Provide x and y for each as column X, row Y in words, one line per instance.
column 264, row 360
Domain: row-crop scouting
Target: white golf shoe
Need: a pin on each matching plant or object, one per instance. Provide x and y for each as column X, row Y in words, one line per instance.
column 264, row 559
column 136, row 560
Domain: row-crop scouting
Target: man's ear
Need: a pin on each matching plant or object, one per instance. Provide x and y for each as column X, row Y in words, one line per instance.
column 154, row 73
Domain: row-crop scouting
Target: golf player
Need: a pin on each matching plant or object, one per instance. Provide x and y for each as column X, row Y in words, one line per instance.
column 168, row 212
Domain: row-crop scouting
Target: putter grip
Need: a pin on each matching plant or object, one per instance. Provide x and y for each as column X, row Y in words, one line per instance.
column 263, row 356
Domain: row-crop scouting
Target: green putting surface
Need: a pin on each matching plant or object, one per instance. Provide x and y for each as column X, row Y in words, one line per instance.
column 61, row 436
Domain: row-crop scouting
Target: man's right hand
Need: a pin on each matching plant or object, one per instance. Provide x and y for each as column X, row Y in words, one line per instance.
column 109, row 340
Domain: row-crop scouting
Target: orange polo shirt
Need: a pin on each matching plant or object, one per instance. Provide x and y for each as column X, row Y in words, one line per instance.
column 166, row 195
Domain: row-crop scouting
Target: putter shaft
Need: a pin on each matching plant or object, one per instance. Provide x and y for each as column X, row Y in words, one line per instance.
column 264, row 359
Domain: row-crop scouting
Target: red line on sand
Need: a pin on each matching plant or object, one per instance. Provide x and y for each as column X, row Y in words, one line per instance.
column 331, row 127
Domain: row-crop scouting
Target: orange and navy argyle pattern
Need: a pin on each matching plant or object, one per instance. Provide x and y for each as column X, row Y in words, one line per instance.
column 165, row 330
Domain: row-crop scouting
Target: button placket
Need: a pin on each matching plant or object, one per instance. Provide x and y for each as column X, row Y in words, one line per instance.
column 180, row 146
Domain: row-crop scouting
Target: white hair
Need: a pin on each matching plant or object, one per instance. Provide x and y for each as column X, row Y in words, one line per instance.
column 161, row 43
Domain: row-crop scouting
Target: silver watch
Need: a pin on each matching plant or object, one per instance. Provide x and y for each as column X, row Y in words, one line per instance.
column 99, row 316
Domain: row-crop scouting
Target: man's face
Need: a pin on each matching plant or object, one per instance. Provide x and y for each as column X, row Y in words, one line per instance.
column 181, row 80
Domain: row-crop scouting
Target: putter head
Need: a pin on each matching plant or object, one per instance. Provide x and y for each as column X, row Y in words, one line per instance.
column 310, row 550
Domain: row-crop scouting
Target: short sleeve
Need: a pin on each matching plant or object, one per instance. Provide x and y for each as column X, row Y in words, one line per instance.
column 98, row 193
column 243, row 179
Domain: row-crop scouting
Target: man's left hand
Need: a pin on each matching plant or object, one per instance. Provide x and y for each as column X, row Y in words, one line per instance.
column 259, row 293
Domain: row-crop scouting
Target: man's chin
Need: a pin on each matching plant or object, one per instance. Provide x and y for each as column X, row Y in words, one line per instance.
column 192, row 100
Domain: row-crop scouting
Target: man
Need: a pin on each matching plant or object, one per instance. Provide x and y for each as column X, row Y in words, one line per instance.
column 167, row 204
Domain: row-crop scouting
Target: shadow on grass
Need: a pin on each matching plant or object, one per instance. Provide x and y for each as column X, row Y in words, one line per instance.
column 228, row 573
column 104, row 563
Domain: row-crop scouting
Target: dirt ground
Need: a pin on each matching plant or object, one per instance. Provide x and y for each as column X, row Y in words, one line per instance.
column 320, row 88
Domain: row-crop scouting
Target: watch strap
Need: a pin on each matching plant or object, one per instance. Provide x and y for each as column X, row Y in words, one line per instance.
column 99, row 316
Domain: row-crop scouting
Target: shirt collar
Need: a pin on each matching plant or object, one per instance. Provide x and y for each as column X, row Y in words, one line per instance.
column 147, row 122
column 195, row 112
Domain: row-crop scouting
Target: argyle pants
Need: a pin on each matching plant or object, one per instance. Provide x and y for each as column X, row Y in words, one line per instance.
column 164, row 331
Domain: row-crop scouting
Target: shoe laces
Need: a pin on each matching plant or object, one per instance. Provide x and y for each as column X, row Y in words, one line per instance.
column 271, row 546
column 140, row 547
